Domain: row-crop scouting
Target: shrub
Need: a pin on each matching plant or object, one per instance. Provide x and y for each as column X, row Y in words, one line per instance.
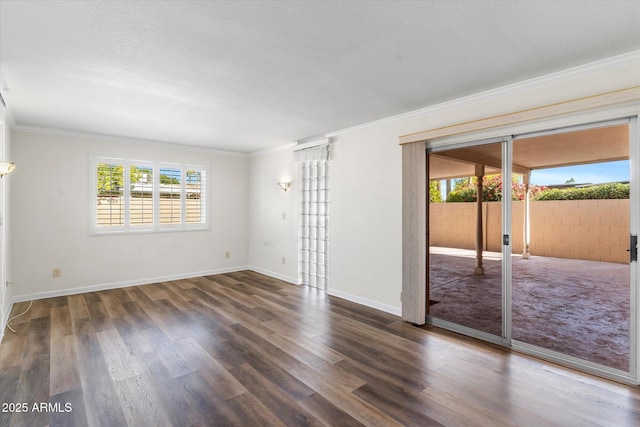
column 467, row 194
column 491, row 190
column 434, row 192
column 604, row 191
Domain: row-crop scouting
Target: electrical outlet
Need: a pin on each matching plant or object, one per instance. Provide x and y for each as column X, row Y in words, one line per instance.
column 56, row 273
column 284, row 215
column 284, row 261
column 227, row 254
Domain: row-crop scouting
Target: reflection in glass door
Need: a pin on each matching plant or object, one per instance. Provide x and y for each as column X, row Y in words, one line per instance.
column 571, row 282
column 465, row 285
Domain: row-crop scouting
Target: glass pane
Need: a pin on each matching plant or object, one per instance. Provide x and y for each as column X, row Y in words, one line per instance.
column 170, row 191
column 195, row 192
column 465, row 237
column 110, row 183
column 314, row 245
column 571, row 277
column 141, row 195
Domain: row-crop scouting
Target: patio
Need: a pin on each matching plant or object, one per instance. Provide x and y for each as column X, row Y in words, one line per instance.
column 576, row 307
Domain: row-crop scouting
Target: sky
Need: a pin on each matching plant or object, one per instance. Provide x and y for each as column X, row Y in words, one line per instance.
column 594, row 173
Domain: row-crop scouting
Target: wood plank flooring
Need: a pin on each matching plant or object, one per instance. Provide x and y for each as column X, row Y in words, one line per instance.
column 243, row 349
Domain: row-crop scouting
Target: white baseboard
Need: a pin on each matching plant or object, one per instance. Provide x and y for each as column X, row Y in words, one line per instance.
column 279, row 276
column 115, row 285
column 104, row 286
column 367, row 302
column 358, row 300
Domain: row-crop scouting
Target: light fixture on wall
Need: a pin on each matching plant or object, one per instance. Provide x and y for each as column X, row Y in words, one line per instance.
column 284, row 185
column 6, row 168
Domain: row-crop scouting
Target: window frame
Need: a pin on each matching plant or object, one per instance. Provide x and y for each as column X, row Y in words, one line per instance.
column 127, row 227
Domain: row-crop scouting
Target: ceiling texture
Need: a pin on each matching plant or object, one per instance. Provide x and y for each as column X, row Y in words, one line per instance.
column 248, row 76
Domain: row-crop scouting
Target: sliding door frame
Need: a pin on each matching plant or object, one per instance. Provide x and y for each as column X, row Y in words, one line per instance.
column 575, row 362
column 629, row 111
column 634, row 228
column 507, row 241
column 505, row 338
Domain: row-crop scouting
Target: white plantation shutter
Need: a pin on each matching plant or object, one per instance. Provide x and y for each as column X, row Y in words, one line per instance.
column 141, row 194
column 196, row 196
column 109, row 202
column 314, row 222
column 134, row 196
column 170, row 195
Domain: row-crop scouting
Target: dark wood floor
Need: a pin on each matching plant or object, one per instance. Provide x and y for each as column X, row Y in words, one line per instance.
column 248, row 350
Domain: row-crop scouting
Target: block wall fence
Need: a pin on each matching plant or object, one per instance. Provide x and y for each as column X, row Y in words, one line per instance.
column 595, row 230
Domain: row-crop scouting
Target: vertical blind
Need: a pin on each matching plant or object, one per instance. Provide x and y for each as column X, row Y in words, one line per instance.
column 314, row 224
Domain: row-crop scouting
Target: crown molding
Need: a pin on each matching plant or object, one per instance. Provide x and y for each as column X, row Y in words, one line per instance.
column 628, row 58
column 620, row 97
column 279, row 148
column 120, row 139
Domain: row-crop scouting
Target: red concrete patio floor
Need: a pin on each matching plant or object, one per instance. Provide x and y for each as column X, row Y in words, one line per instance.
column 575, row 307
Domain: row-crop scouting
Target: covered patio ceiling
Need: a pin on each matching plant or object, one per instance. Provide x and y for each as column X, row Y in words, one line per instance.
column 603, row 144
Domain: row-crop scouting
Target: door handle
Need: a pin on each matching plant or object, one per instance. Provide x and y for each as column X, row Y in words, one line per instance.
column 633, row 248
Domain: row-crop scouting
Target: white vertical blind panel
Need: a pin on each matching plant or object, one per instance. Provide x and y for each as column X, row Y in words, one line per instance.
column 314, row 247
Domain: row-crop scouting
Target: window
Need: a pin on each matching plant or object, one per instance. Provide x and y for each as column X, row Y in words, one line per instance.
column 110, row 191
column 141, row 194
column 314, row 226
column 314, row 250
column 194, row 187
column 150, row 196
column 170, row 196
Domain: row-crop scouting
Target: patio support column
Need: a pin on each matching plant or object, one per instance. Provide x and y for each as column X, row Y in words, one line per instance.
column 526, row 236
column 479, row 270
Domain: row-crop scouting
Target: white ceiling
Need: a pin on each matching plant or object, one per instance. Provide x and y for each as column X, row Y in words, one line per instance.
column 246, row 76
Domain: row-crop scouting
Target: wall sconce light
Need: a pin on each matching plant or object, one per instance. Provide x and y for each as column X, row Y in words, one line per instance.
column 284, row 186
column 6, row 168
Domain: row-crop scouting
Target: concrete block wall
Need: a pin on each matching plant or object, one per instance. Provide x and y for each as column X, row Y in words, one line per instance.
column 596, row 230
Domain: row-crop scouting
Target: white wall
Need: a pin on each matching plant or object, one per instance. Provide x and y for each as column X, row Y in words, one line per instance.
column 50, row 208
column 50, row 202
column 5, row 293
column 366, row 218
column 270, row 236
column 366, row 191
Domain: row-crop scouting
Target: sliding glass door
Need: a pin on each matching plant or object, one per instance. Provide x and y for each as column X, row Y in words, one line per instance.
column 532, row 243
column 572, row 285
column 465, row 259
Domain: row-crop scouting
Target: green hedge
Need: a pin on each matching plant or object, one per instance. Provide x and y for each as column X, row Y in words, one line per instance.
column 604, row 191
column 463, row 195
